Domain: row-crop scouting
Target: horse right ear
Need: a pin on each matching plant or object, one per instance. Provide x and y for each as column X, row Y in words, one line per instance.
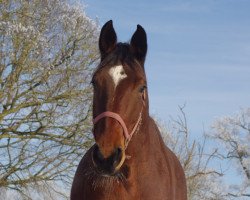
column 107, row 40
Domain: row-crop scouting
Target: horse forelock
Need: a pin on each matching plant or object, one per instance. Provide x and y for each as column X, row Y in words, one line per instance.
column 121, row 55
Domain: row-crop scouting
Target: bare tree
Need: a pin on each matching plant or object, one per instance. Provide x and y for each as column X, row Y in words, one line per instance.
column 47, row 53
column 233, row 134
column 203, row 180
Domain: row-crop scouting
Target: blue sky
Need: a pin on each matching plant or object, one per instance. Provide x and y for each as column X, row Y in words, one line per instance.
column 198, row 53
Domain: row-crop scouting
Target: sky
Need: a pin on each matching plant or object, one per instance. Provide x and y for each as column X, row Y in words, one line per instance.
column 198, row 54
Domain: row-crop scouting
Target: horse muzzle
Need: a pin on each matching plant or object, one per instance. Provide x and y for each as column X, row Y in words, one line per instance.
column 109, row 165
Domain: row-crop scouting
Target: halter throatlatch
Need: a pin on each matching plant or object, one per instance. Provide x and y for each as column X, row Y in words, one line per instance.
column 118, row 118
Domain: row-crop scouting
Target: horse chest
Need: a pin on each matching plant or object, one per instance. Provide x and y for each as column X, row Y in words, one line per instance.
column 111, row 192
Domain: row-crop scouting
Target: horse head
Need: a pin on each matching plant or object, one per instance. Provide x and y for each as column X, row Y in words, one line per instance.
column 120, row 98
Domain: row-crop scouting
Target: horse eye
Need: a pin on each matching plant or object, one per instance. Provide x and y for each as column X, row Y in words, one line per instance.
column 141, row 90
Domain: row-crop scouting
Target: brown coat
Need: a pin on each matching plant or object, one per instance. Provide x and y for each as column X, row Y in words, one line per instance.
column 154, row 173
column 150, row 171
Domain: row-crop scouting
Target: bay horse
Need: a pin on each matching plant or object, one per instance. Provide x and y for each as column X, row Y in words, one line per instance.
column 129, row 160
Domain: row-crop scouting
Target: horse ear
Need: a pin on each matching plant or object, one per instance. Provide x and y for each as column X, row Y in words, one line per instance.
column 107, row 40
column 138, row 44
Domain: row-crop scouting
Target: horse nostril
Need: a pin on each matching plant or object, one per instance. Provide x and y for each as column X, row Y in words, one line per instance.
column 117, row 156
column 97, row 156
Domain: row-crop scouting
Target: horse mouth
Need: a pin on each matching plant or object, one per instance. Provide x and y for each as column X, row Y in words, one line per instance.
column 107, row 167
column 108, row 175
column 121, row 175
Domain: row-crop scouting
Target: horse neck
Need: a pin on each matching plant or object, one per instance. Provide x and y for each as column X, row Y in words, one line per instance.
column 145, row 140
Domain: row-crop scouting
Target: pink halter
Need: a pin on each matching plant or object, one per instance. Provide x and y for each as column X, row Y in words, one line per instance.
column 117, row 117
column 122, row 123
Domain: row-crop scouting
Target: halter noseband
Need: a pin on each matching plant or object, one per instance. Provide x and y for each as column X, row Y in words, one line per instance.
column 121, row 122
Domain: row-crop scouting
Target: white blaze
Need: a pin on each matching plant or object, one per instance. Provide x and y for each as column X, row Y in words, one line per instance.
column 117, row 73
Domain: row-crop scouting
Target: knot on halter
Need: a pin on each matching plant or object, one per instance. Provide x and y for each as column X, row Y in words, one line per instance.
column 118, row 118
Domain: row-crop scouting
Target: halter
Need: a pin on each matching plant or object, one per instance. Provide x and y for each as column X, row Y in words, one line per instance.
column 118, row 118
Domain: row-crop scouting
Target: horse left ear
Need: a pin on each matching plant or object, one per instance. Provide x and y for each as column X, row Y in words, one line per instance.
column 138, row 44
